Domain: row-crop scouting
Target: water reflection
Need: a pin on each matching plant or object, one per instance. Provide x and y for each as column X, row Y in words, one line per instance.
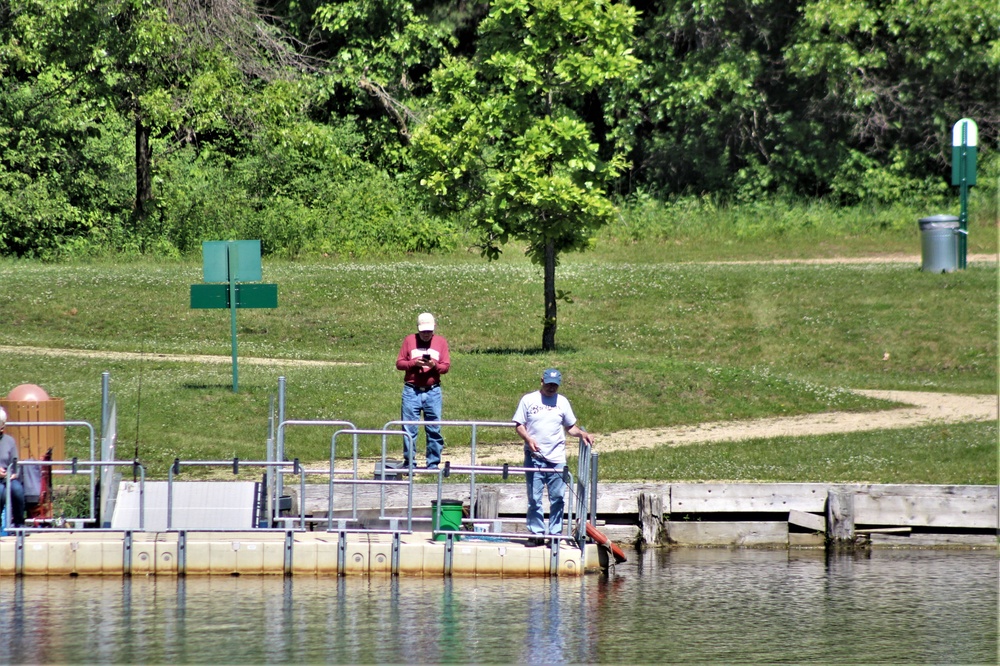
column 692, row 605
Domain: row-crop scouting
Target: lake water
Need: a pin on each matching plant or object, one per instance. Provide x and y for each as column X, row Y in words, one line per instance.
column 690, row 605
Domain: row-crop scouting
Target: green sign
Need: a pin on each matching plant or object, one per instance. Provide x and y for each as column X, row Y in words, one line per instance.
column 964, row 138
column 215, row 261
column 964, row 142
column 208, row 296
column 230, row 263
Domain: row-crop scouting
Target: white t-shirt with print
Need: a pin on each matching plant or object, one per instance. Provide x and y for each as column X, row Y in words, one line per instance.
column 545, row 419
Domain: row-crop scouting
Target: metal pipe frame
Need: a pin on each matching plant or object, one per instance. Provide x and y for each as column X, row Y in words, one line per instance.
column 84, row 424
column 74, row 463
column 474, row 425
column 507, row 469
column 382, row 483
column 280, row 453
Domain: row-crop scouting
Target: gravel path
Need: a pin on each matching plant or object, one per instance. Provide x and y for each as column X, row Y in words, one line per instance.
column 920, row 409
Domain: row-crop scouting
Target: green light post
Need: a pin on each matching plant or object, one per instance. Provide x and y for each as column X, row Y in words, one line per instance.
column 964, row 139
column 232, row 262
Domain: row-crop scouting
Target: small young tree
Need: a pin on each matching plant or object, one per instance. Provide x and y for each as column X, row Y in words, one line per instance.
column 506, row 140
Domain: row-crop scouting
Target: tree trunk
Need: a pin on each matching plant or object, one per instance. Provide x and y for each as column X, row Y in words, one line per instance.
column 143, row 168
column 549, row 331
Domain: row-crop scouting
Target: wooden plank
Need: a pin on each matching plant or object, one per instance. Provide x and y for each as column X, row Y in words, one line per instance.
column 627, row 534
column 881, row 505
column 879, row 508
column 810, row 521
column 612, row 498
column 840, row 515
column 619, row 498
column 934, row 541
column 650, row 517
column 800, row 540
column 928, row 490
column 727, row 533
column 747, row 497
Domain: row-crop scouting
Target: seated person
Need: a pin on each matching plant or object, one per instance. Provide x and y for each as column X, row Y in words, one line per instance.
column 8, row 453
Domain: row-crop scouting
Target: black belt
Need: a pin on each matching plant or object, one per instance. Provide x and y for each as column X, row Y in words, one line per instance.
column 422, row 389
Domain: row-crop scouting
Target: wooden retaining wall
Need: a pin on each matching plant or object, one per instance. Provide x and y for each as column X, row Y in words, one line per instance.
column 753, row 514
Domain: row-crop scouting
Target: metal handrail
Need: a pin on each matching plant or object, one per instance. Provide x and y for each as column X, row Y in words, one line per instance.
column 381, row 482
column 506, row 470
column 472, row 454
column 73, row 464
column 280, row 453
column 84, row 424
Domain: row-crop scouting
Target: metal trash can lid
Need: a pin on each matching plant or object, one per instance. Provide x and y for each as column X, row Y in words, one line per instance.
column 939, row 222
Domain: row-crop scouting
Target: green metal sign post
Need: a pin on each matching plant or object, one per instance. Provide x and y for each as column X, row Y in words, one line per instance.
column 232, row 262
column 964, row 139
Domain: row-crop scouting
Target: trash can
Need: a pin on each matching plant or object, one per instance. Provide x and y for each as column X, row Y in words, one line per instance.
column 29, row 403
column 451, row 517
column 939, row 243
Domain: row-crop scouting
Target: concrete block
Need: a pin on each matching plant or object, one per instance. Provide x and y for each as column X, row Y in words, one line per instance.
column 570, row 561
column 356, row 558
column 249, row 557
column 8, row 552
column 490, row 558
column 197, row 558
column 380, row 557
column 464, row 559
column 316, row 556
column 53, row 558
column 99, row 557
column 166, row 558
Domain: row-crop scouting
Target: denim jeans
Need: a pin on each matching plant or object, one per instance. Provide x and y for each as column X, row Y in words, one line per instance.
column 16, row 500
column 429, row 403
column 557, row 493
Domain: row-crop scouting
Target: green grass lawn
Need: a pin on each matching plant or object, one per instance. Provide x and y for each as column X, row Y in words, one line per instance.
column 645, row 342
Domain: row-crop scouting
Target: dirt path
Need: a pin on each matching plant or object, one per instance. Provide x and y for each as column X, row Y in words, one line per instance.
column 181, row 358
column 880, row 259
column 922, row 409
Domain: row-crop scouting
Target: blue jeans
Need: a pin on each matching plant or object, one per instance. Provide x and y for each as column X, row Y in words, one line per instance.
column 428, row 402
column 536, row 481
column 16, row 500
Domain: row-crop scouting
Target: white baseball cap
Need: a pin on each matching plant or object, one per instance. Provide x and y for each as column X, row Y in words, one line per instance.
column 425, row 322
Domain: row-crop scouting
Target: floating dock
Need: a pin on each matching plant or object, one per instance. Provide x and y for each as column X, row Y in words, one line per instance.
column 275, row 552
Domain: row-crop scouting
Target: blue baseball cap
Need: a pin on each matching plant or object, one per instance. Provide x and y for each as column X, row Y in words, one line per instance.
column 551, row 376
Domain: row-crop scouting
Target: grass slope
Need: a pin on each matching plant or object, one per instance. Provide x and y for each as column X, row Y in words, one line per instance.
column 643, row 343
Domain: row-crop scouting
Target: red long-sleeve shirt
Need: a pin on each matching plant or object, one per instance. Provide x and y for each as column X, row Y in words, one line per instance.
column 413, row 350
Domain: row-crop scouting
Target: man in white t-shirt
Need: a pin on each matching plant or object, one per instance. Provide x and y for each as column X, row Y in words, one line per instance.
column 543, row 419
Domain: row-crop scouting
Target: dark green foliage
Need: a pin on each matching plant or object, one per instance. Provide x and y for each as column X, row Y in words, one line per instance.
column 735, row 102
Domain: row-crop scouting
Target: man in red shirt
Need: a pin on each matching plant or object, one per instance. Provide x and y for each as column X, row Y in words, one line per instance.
column 423, row 358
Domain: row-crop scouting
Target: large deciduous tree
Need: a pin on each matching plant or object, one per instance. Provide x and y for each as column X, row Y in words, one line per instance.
column 174, row 67
column 506, row 142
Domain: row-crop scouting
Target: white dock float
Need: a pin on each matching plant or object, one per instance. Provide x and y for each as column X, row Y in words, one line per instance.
column 100, row 552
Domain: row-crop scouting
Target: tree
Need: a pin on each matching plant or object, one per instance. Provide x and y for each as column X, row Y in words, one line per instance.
column 896, row 76
column 379, row 53
column 174, row 67
column 505, row 141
